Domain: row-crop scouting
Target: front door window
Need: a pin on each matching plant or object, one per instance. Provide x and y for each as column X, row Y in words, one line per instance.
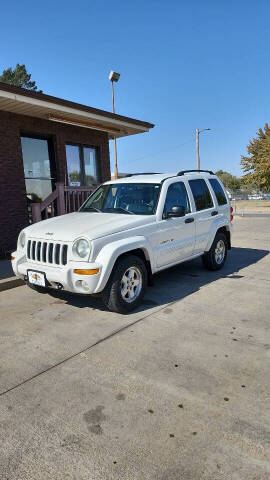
column 37, row 168
column 176, row 197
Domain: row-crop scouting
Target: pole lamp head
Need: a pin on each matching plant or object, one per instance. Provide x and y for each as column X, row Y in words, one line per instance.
column 114, row 76
column 203, row 130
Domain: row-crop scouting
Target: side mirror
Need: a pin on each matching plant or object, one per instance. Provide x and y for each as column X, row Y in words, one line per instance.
column 177, row 211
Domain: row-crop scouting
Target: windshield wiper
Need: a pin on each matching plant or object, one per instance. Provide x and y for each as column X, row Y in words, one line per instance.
column 91, row 209
column 121, row 210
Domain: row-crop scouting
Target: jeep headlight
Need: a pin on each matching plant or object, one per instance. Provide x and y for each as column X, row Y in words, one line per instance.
column 21, row 240
column 81, row 248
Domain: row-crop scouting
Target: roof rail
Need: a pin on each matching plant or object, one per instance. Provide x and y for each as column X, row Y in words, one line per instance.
column 142, row 173
column 182, row 172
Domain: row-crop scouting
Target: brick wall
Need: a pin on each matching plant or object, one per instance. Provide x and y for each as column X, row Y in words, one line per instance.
column 13, row 210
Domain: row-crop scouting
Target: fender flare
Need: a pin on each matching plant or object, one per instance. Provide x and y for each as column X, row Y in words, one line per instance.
column 214, row 228
column 109, row 254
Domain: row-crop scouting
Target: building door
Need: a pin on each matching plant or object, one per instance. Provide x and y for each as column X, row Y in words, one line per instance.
column 37, row 162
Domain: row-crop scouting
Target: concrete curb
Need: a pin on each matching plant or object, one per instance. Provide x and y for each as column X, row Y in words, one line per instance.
column 11, row 282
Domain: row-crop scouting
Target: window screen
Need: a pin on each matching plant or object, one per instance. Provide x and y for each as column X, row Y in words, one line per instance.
column 219, row 192
column 176, row 197
column 201, row 194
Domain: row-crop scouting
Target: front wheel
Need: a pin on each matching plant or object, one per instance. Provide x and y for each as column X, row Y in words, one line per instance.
column 216, row 257
column 126, row 287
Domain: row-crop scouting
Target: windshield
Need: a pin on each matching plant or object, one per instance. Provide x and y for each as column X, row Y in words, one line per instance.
column 129, row 198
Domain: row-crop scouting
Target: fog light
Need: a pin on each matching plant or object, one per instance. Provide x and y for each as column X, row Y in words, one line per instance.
column 83, row 285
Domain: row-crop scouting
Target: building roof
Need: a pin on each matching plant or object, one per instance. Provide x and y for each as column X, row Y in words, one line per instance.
column 35, row 104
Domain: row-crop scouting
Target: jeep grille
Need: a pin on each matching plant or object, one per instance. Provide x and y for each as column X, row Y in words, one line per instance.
column 47, row 252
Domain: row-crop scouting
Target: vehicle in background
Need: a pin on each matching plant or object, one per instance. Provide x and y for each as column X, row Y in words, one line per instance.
column 255, row 197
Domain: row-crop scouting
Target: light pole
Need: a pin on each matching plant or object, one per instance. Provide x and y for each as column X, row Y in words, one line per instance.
column 114, row 77
column 198, row 146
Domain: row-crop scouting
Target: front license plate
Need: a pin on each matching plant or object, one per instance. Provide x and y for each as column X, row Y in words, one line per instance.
column 36, row 278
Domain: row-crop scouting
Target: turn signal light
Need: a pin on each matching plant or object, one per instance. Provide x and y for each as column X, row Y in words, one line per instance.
column 12, row 258
column 231, row 214
column 82, row 271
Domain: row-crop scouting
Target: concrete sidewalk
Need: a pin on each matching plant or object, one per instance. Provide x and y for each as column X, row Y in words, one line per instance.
column 7, row 278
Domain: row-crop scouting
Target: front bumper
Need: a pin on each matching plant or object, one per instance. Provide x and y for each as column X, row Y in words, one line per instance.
column 62, row 277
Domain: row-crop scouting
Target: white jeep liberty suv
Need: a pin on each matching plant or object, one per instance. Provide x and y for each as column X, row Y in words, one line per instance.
column 125, row 232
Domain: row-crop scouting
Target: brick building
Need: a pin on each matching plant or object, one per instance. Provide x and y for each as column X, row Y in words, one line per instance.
column 45, row 140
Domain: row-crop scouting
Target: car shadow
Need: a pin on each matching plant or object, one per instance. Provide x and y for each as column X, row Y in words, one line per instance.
column 177, row 282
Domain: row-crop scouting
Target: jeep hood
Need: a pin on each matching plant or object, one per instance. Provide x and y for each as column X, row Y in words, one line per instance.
column 85, row 224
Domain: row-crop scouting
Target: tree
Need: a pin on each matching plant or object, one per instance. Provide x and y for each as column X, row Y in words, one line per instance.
column 257, row 164
column 229, row 180
column 18, row 77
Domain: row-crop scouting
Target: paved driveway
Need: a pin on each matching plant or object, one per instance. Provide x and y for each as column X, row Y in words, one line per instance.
column 176, row 391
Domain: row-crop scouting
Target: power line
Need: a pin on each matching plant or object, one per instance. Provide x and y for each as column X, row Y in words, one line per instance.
column 160, row 152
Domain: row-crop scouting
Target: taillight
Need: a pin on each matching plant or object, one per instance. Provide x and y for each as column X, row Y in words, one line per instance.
column 231, row 214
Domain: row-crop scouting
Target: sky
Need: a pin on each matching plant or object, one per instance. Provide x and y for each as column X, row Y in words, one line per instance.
column 184, row 65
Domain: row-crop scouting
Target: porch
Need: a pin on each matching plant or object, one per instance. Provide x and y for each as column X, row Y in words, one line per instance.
column 64, row 199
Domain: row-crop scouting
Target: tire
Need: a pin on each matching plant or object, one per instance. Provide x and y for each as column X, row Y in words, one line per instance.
column 216, row 257
column 126, row 287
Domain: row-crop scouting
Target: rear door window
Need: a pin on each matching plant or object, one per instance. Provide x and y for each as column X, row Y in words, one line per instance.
column 201, row 194
column 219, row 192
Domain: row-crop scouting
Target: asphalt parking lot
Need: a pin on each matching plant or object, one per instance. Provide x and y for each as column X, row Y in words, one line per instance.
column 179, row 390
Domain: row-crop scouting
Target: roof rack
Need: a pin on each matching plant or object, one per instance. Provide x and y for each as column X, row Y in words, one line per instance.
column 142, row 173
column 182, row 172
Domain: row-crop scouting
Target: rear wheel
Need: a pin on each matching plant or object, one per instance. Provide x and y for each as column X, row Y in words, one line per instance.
column 216, row 257
column 126, row 287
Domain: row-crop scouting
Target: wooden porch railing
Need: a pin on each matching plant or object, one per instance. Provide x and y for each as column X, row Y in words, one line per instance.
column 62, row 200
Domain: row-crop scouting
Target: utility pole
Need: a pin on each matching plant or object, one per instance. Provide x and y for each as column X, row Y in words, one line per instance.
column 114, row 77
column 198, row 161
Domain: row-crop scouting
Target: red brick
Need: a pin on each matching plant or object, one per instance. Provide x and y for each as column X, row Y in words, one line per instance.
column 13, row 212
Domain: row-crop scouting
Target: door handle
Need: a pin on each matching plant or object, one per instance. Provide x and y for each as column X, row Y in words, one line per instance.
column 215, row 212
column 189, row 220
